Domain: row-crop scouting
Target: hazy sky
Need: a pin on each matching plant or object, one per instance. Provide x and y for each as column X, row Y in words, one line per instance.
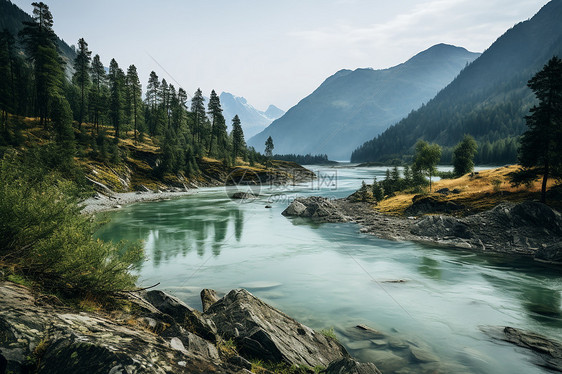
column 275, row 52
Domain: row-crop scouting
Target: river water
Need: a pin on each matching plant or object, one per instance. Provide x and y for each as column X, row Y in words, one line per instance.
column 332, row 276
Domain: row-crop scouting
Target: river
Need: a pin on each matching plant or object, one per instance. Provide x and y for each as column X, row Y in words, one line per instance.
column 332, row 276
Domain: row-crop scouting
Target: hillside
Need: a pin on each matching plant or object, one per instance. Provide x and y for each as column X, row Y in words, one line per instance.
column 253, row 120
column 351, row 106
column 11, row 18
column 488, row 99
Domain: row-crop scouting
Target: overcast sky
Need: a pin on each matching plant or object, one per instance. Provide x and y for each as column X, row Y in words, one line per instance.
column 275, row 52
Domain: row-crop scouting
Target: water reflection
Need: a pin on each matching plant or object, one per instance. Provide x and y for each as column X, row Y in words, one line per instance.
column 430, row 268
column 179, row 227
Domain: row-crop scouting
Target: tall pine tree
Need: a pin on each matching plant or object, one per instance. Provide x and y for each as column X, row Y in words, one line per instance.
column 541, row 144
column 82, row 75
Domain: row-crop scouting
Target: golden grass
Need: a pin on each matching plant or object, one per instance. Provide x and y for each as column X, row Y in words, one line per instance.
column 478, row 192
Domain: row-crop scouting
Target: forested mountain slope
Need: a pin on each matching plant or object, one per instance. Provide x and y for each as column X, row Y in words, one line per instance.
column 489, row 99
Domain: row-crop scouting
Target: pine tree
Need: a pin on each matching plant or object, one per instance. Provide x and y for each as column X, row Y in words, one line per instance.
column 98, row 83
column 39, row 41
column 215, row 111
column 541, row 144
column 116, row 81
column 134, row 96
column 269, row 146
column 82, row 75
column 238, row 143
column 198, row 112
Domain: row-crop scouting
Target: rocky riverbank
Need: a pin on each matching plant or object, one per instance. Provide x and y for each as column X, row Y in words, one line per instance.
column 153, row 332
column 528, row 228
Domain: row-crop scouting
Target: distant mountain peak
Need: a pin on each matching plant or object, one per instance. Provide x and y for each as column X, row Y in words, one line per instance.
column 353, row 105
column 252, row 119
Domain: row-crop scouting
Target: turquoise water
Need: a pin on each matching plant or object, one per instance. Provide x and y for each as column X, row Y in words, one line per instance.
column 330, row 275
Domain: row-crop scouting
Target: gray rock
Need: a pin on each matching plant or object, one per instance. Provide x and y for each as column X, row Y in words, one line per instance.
column 422, row 355
column 319, row 208
column 547, row 352
column 57, row 340
column 385, row 360
column 240, row 362
column 350, row 366
column 208, row 298
column 265, row 333
column 296, row 208
column 183, row 314
column 550, row 254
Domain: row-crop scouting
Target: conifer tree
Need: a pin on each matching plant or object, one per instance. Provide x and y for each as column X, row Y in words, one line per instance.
column 96, row 93
column 39, row 41
column 215, row 111
column 116, row 81
column 134, row 96
column 541, row 144
column 198, row 112
column 238, row 142
column 82, row 75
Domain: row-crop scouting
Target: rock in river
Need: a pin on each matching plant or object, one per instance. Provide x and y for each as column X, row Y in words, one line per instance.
column 266, row 333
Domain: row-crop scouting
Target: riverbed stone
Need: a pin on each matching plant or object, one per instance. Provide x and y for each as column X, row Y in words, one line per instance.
column 263, row 332
column 348, row 365
column 546, row 352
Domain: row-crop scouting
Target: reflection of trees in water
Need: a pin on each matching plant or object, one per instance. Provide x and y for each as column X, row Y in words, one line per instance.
column 430, row 268
column 541, row 303
column 179, row 230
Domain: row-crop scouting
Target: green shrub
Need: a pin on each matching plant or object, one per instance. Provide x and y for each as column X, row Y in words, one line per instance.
column 44, row 238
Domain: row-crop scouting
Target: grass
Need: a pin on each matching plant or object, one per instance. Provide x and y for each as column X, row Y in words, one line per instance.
column 329, row 333
column 478, row 192
column 261, row 367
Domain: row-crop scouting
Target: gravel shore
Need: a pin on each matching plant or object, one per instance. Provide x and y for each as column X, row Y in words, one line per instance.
column 103, row 203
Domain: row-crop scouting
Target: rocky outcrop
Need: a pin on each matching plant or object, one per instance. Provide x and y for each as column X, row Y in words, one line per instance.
column 546, row 352
column 263, row 332
column 157, row 333
column 36, row 337
column 528, row 228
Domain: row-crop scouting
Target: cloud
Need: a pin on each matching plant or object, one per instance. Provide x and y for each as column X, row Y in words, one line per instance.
column 473, row 24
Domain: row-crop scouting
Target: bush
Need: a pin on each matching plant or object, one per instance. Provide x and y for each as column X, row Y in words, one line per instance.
column 44, row 238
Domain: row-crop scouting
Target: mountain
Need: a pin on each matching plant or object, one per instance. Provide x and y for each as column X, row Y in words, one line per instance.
column 253, row 121
column 11, row 18
column 351, row 106
column 488, row 99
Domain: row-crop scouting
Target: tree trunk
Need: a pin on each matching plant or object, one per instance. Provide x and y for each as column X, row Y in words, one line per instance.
column 544, row 182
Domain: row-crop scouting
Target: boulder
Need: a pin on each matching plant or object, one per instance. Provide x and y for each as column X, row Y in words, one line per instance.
column 315, row 207
column 348, row 365
column 208, row 298
column 265, row 333
column 547, row 352
column 441, row 226
column 181, row 313
column 550, row 254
